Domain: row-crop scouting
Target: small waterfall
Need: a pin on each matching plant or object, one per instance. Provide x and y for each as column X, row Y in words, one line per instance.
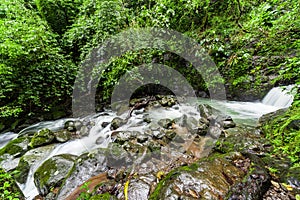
column 279, row 97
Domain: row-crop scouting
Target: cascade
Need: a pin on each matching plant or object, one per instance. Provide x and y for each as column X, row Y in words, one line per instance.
column 279, row 97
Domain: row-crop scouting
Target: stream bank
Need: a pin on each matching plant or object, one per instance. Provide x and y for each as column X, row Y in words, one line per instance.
column 165, row 150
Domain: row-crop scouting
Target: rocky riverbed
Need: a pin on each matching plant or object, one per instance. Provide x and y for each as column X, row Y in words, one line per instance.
column 155, row 150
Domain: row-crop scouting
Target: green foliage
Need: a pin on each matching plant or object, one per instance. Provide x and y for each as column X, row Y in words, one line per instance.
column 97, row 21
column 33, row 72
column 59, row 13
column 284, row 133
column 84, row 195
column 8, row 188
column 178, row 15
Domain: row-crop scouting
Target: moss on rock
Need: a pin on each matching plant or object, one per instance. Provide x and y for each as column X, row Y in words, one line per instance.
column 42, row 137
column 52, row 172
column 16, row 147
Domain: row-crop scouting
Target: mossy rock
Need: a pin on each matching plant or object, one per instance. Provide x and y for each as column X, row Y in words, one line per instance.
column 86, row 166
column 210, row 178
column 242, row 140
column 117, row 156
column 63, row 135
column 165, row 123
column 117, row 122
column 206, row 111
column 52, row 172
column 42, row 137
column 30, row 158
column 16, row 147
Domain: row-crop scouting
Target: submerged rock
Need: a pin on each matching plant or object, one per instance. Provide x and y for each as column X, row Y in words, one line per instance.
column 70, row 126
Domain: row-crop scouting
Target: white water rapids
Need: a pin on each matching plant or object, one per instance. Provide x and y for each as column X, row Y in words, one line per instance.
column 241, row 112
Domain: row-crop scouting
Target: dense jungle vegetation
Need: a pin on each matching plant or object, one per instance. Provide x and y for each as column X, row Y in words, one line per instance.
column 255, row 45
column 44, row 42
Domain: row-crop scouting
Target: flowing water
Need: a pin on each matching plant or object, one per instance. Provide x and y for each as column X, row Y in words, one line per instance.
column 6, row 137
column 241, row 112
column 279, row 97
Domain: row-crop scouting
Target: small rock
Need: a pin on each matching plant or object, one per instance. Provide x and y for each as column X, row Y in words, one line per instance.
column 70, row 126
column 206, row 111
column 84, row 131
column 158, row 134
column 62, row 136
column 117, row 122
column 142, row 138
column 165, row 123
column 104, row 124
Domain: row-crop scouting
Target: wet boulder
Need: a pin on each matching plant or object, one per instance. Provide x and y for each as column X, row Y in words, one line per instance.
column 208, row 112
column 86, row 166
column 166, row 101
column 10, row 154
column 42, row 137
column 52, row 172
column 62, row 135
column 206, row 179
column 121, row 137
column 70, row 126
column 242, row 140
column 141, row 138
column 29, row 159
column 226, row 122
column 215, row 131
column 16, row 147
column 270, row 116
column 117, row 156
